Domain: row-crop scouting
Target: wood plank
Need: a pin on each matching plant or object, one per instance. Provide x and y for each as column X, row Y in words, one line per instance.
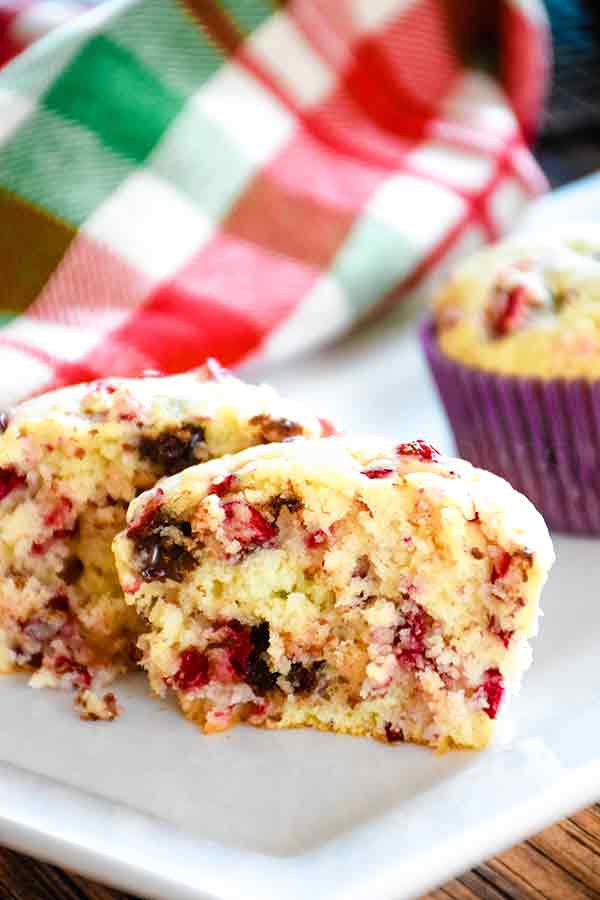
column 572, row 852
column 92, row 891
column 533, row 870
column 561, row 863
column 473, row 885
column 27, row 878
column 22, row 878
column 506, row 883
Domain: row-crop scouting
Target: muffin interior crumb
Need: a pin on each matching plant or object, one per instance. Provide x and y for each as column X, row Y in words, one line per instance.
column 366, row 594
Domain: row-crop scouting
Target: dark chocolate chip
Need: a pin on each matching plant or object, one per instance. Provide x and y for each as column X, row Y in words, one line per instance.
column 4, row 420
column 161, row 558
column 259, row 636
column 303, row 678
column 290, row 501
column 59, row 603
column 174, row 451
column 259, row 676
column 72, row 570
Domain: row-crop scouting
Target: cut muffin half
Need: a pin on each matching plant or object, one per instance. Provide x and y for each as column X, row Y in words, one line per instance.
column 352, row 585
column 70, row 463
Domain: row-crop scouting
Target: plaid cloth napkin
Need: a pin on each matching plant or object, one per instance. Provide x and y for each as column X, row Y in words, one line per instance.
column 184, row 179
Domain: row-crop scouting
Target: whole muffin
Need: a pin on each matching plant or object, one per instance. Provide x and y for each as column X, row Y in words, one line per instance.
column 514, row 348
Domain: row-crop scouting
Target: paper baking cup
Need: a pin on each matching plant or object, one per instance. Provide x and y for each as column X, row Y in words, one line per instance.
column 542, row 435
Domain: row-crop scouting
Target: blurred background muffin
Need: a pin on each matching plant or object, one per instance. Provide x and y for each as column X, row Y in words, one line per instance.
column 514, row 348
column 527, row 306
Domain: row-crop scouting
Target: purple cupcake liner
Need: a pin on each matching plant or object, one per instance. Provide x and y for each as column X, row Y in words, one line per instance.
column 543, row 436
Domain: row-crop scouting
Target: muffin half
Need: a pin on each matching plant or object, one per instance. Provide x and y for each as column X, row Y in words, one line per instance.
column 70, row 463
column 351, row 585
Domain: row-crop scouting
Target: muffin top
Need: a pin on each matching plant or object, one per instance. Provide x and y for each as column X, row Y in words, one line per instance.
column 527, row 306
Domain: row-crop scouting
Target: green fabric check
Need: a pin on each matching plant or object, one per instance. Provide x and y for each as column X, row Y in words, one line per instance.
column 119, row 99
column 107, row 90
column 166, row 39
column 60, row 166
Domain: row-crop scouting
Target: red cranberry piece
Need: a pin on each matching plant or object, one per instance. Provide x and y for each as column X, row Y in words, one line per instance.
column 316, row 539
column 148, row 514
column 393, row 735
column 328, row 429
column 493, row 688
column 410, row 648
column 245, row 524
column 59, row 603
column 39, row 548
column 63, row 666
column 503, row 634
column 509, row 311
column 377, row 473
column 239, row 645
column 220, row 667
column 84, row 679
column 500, row 566
column 9, row 481
column 56, row 517
column 226, row 486
column 421, row 449
column 193, row 670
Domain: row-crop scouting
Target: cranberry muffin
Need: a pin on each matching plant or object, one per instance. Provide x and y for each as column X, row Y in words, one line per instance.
column 352, row 585
column 514, row 348
column 70, row 463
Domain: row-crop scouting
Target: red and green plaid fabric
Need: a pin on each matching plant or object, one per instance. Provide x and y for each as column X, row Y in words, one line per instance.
column 184, row 179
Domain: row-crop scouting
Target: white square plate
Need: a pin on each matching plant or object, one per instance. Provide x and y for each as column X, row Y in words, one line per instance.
column 149, row 804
